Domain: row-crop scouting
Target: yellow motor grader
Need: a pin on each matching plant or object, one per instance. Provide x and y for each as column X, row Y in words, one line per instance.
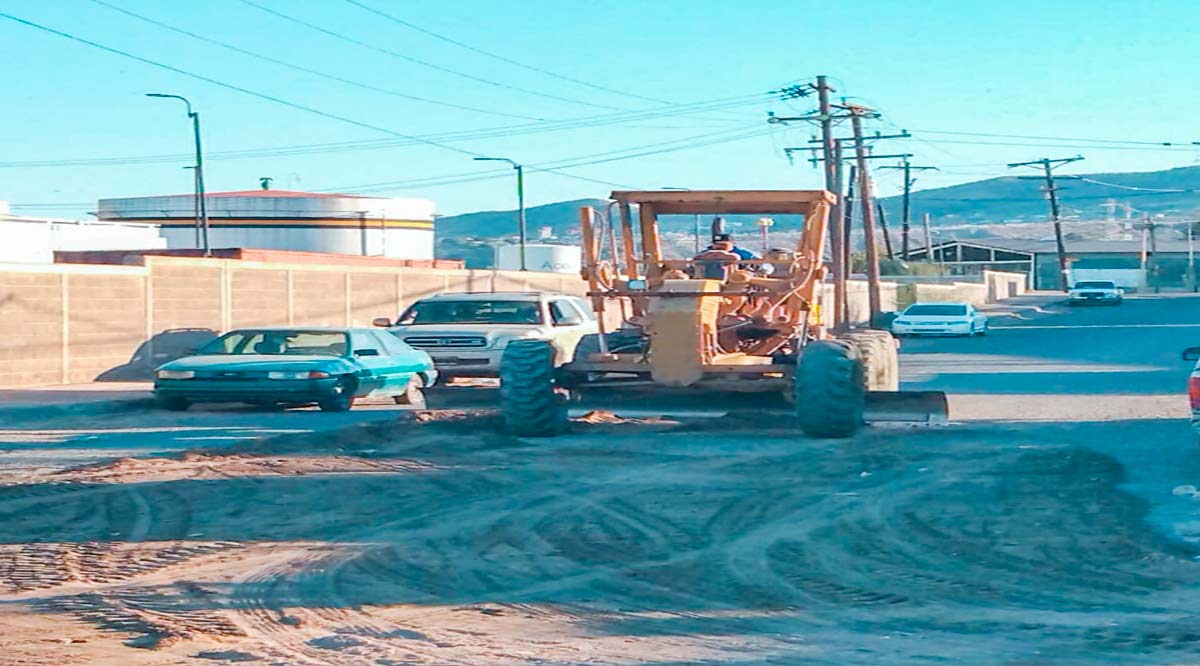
column 716, row 329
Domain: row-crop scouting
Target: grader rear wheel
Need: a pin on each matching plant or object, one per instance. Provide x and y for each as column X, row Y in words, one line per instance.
column 881, row 365
column 529, row 403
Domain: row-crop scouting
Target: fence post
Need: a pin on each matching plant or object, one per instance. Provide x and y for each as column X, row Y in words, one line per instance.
column 291, row 309
column 65, row 349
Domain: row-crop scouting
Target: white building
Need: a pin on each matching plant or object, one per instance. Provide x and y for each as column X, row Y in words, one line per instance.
column 33, row 240
column 286, row 220
column 541, row 257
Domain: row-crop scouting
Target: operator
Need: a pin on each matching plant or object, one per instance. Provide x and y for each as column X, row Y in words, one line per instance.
column 714, row 261
column 724, row 242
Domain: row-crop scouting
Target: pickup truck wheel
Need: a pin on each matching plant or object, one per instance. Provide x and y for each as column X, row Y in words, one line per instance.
column 529, row 402
column 342, row 398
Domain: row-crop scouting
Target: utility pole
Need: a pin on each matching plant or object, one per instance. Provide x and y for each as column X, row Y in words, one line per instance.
column 1191, row 269
column 906, row 209
column 849, row 226
column 824, row 117
column 868, row 211
column 928, row 239
column 1048, row 166
column 829, row 145
column 887, row 237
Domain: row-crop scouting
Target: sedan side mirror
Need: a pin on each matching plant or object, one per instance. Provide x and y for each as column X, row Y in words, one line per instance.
column 381, row 322
column 366, row 352
column 1191, row 354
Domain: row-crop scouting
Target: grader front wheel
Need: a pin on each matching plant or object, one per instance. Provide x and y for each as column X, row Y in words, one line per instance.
column 829, row 387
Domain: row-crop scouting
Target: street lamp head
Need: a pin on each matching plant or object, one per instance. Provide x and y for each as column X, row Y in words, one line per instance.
column 178, row 97
column 497, row 159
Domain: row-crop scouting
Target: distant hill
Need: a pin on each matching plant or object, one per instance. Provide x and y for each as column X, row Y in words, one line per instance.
column 559, row 217
column 1011, row 199
column 995, row 200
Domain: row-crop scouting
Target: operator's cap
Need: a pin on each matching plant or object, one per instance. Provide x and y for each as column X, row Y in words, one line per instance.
column 720, row 238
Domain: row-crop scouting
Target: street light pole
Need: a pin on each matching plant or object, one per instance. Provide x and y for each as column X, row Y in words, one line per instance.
column 520, row 169
column 201, row 202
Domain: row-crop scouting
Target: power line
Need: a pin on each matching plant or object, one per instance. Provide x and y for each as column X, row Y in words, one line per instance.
column 1155, row 147
column 495, row 56
column 1138, row 189
column 423, row 63
column 1060, row 138
column 566, row 163
column 502, row 131
column 301, row 68
column 236, row 88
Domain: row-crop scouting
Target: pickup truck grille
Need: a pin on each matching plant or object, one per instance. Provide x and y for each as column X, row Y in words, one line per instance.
column 446, row 341
column 1091, row 294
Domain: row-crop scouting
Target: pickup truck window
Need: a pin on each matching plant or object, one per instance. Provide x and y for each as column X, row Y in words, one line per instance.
column 1095, row 285
column 472, row 312
column 564, row 314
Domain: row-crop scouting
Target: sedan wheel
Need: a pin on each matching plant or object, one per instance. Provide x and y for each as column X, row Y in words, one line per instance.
column 413, row 394
column 342, row 398
column 173, row 404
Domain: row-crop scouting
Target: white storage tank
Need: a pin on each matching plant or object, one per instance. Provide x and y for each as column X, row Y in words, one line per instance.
column 287, row 220
column 541, row 257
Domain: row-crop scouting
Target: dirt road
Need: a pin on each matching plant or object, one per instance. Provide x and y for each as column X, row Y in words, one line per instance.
column 721, row 541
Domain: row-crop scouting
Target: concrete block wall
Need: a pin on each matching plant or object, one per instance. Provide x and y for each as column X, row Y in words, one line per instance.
column 70, row 323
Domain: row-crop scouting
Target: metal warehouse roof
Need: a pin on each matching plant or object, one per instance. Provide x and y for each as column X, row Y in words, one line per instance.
column 1073, row 246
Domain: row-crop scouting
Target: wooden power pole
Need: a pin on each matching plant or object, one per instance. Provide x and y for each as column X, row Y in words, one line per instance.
column 906, row 207
column 868, row 211
column 1048, row 165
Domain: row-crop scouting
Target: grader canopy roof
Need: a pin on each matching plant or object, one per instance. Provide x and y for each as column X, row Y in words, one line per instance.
column 727, row 201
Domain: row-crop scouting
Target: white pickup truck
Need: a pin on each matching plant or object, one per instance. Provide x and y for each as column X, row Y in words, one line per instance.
column 1095, row 292
column 465, row 333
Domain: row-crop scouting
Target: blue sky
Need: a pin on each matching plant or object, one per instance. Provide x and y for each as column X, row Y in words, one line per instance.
column 1075, row 69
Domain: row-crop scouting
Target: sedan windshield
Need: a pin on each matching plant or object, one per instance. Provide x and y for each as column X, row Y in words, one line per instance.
column 936, row 310
column 1095, row 285
column 473, row 312
column 278, row 343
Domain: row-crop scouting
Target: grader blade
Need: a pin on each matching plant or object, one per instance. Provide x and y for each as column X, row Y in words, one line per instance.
column 929, row 407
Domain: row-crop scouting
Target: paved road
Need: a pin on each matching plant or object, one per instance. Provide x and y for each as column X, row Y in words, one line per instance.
column 1105, row 379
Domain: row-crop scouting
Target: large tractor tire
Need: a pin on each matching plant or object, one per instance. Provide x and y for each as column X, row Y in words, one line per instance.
column 830, row 390
column 881, row 363
column 529, row 404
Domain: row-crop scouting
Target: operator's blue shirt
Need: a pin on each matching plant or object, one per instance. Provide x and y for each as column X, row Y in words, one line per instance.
column 743, row 254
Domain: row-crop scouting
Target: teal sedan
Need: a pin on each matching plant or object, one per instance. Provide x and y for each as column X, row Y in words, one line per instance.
column 329, row 367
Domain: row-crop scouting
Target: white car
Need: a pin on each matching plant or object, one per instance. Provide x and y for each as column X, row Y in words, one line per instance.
column 465, row 333
column 940, row 319
column 1193, row 354
column 1098, row 292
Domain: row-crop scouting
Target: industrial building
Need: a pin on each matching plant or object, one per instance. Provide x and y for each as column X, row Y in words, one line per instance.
column 1137, row 264
column 287, row 220
column 34, row 240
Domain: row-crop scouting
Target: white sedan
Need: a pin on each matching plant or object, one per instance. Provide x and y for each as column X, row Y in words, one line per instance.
column 940, row 319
